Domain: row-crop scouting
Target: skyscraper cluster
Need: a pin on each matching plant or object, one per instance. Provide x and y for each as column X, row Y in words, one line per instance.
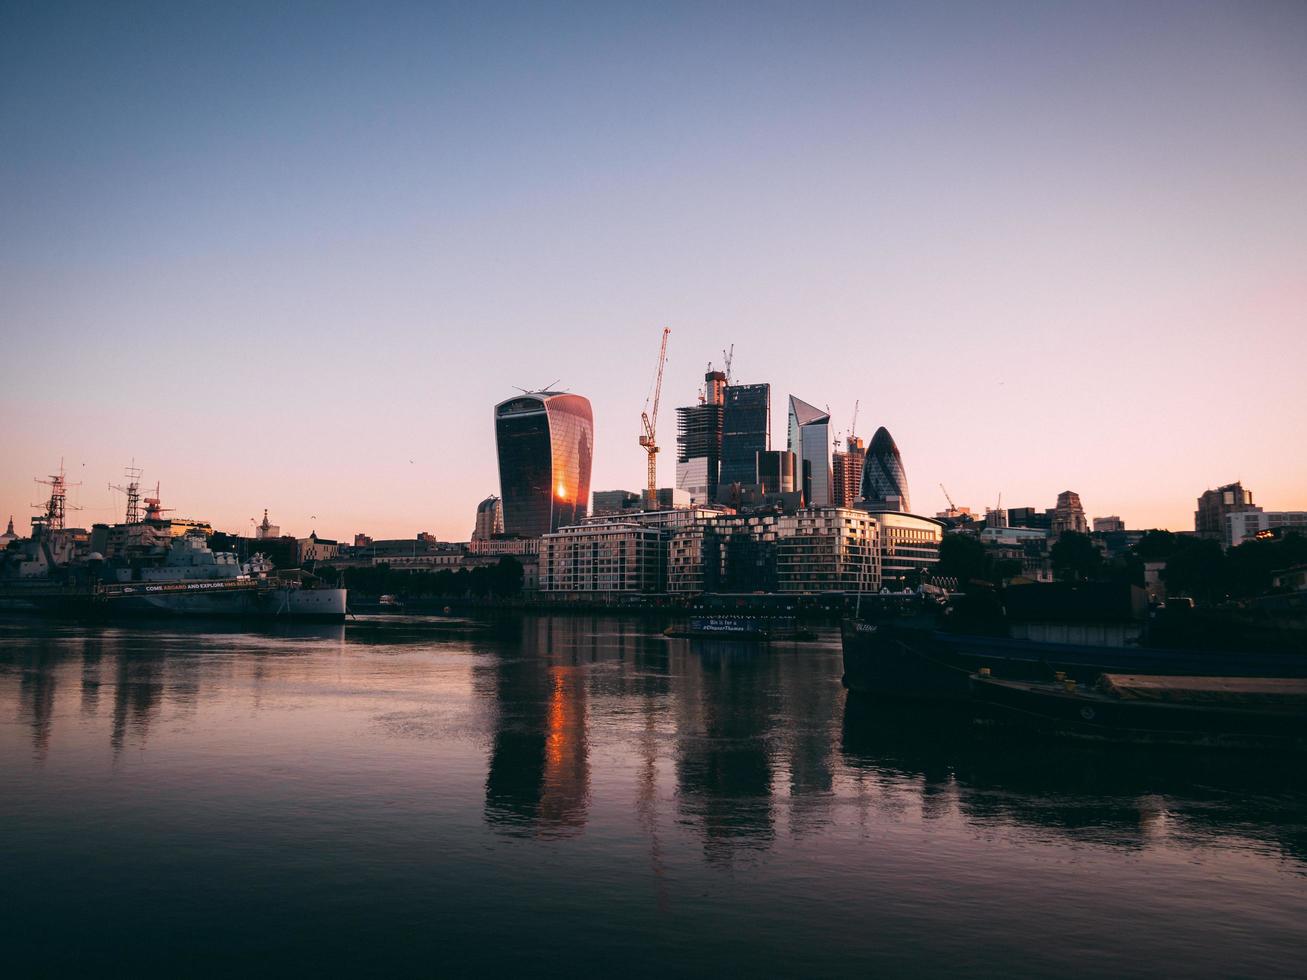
column 724, row 456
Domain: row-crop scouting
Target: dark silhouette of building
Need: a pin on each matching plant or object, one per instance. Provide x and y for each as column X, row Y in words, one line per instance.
column 610, row 502
column 777, row 471
column 1029, row 517
column 884, row 482
column 1213, row 505
column 746, row 432
column 546, row 445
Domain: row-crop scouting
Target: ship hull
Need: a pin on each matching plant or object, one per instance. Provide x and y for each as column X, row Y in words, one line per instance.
column 317, row 605
column 136, row 601
column 1093, row 716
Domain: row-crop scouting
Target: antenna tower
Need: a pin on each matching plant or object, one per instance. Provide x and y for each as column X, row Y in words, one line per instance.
column 57, row 505
column 132, row 492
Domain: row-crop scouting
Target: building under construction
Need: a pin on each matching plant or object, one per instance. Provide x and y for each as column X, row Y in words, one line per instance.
column 699, row 441
column 846, row 467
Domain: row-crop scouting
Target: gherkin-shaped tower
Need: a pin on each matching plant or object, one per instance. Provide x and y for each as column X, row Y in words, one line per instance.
column 884, row 483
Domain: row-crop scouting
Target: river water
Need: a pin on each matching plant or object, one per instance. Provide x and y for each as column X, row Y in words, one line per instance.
column 563, row 796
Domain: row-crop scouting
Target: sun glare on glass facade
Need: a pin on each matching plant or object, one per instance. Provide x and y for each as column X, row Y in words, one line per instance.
column 546, row 444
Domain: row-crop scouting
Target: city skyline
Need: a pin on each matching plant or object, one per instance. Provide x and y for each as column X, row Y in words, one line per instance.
column 295, row 267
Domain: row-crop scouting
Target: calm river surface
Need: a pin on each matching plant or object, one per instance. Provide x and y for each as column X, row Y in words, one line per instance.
column 572, row 795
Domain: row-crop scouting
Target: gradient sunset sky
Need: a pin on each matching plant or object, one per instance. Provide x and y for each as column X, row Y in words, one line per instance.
column 290, row 255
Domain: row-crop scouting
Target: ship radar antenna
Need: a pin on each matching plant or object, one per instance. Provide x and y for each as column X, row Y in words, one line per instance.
column 132, row 491
column 56, row 507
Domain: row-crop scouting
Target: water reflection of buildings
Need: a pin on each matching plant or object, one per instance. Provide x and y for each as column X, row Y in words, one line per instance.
column 723, row 765
column 137, row 694
column 1119, row 796
column 36, row 690
column 810, row 703
column 709, row 734
column 539, row 774
column 138, row 671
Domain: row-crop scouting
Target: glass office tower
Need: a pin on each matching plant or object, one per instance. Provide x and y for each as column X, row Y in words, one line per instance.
column 546, row 445
column 884, row 483
column 776, row 471
column 810, row 443
column 746, row 432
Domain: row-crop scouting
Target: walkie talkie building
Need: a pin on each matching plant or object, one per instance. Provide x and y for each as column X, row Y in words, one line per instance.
column 546, row 445
column 884, row 483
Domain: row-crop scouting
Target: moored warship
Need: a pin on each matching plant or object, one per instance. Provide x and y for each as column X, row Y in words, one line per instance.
column 150, row 565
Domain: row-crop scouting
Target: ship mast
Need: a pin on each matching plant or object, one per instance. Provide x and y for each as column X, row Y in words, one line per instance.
column 57, row 506
column 133, row 493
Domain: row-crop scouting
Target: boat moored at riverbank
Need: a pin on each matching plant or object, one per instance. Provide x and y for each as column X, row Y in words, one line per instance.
column 928, row 648
column 1234, row 712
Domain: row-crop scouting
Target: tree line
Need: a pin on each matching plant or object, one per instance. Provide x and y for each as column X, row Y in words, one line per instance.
column 1195, row 567
column 499, row 581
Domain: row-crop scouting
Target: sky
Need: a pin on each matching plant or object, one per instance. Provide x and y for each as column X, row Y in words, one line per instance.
column 291, row 255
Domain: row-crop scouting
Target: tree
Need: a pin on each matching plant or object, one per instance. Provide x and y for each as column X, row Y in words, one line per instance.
column 1156, row 545
column 506, row 577
column 1075, row 556
column 961, row 557
column 1197, row 568
column 1251, row 565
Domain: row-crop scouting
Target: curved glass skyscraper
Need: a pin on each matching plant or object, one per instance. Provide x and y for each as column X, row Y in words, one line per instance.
column 884, row 483
column 546, row 445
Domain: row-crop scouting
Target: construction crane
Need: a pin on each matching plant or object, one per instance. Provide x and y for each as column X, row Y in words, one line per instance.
column 728, row 356
column 649, row 419
column 853, row 426
column 951, row 506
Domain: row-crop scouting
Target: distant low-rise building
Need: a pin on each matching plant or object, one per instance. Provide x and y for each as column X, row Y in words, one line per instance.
column 1247, row 525
column 828, row 549
column 603, row 559
column 610, row 502
column 909, row 548
column 314, row 548
column 1103, row 525
column 724, row 553
column 1030, row 517
column 517, row 547
column 1290, row 579
column 1011, row 535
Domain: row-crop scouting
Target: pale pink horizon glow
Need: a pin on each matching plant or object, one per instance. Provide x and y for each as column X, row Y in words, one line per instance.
column 295, row 267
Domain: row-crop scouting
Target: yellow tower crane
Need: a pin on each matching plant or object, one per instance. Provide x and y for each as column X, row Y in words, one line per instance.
column 648, row 439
